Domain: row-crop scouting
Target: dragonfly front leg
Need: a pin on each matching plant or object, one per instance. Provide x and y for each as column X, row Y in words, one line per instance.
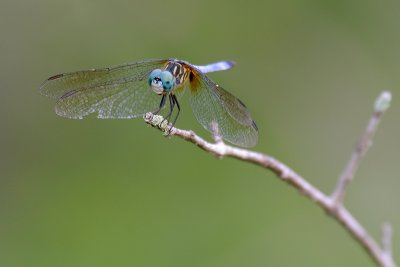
column 171, row 105
column 175, row 101
column 162, row 104
column 172, row 101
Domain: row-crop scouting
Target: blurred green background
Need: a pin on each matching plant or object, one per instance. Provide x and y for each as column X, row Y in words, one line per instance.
column 117, row 193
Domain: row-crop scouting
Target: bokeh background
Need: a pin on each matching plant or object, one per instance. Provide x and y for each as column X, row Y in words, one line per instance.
column 117, row 193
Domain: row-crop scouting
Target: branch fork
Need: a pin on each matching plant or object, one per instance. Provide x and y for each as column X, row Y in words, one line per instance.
column 333, row 204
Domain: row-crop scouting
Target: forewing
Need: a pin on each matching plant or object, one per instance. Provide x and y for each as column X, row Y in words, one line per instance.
column 211, row 103
column 118, row 92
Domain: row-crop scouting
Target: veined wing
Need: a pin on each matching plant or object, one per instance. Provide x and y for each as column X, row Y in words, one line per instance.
column 211, row 103
column 118, row 92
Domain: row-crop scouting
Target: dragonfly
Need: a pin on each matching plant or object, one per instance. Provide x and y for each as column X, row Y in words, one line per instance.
column 131, row 90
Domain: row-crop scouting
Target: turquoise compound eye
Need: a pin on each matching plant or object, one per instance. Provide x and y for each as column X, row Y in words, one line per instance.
column 155, row 74
column 167, row 80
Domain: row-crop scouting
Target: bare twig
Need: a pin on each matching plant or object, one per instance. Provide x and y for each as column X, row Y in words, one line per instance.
column 381, row 256
column 381, row 105
column 387, row 239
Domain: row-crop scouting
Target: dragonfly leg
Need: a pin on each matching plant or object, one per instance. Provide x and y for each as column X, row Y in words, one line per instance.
column 162, row 103
column 175, row 100
column 171, row 105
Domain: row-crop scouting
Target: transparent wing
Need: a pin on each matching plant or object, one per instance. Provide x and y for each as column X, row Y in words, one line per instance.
column 211, row 103
column 118, row 92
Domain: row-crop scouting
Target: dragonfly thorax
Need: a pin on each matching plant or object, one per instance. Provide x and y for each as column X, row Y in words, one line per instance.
column 161, row 81
column 179, row 71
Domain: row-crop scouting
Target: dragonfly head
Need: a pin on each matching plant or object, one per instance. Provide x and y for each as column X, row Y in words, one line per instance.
column 161, row 81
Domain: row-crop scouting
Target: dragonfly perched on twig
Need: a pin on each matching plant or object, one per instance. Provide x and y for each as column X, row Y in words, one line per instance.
column 130, row 90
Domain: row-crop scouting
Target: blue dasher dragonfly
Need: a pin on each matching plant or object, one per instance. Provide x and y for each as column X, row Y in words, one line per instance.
column 130, row 90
